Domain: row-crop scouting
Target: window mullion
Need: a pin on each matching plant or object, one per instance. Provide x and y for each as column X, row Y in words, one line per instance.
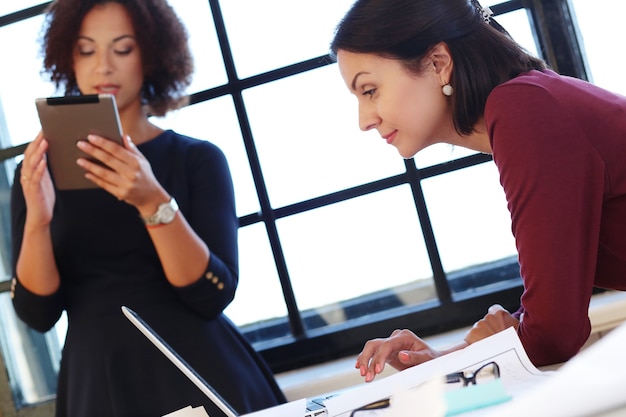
column 441, row 281
column 267, row 214
column 557, row 37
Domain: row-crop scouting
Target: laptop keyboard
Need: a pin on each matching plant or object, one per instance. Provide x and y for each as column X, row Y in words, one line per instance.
column 315, row 406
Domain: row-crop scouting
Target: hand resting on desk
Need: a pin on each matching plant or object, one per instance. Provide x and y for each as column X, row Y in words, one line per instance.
column 404, row 349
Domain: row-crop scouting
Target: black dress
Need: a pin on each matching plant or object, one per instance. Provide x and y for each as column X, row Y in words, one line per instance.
column 106, row 259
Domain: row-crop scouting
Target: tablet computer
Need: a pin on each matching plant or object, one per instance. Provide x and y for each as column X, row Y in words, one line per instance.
column 66, row 120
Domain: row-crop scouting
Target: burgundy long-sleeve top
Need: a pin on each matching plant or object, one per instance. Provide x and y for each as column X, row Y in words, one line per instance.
column 560, row 146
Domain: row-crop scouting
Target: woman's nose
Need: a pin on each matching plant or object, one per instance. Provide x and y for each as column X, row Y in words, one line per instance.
column 368, row 119
column 103, row 63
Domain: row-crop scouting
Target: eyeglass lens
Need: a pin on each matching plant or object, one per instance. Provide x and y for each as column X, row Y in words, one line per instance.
column 487, row 372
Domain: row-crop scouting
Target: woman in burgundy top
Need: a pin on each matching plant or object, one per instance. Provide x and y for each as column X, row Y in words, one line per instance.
column 429, row 72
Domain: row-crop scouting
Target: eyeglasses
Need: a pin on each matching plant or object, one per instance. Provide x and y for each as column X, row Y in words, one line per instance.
column 376, row 405
column 486, row 373
column 490, row 371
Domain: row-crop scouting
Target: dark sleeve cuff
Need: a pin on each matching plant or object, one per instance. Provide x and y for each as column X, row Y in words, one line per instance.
column 37, row 311
column 212, row 292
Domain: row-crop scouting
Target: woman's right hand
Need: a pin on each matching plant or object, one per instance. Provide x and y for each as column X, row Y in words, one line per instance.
column 36, row 183
column 402, row 350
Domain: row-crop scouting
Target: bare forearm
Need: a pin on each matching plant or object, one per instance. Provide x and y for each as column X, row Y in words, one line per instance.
column 184, row 256
column 454, row 348
column 36, row 267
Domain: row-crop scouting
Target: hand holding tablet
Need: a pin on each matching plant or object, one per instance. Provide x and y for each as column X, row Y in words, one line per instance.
column 66, row 120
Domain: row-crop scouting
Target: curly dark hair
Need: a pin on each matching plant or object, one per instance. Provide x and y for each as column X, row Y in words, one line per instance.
column 161, row 37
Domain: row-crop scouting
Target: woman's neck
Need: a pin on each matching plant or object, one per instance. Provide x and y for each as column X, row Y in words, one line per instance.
column 136, row 124
column 476, row 141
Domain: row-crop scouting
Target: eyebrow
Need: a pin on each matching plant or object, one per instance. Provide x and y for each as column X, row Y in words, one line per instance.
column 119, row 38
column 358, row 74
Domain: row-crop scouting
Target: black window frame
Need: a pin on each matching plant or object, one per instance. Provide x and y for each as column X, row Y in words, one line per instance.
column 458, row 304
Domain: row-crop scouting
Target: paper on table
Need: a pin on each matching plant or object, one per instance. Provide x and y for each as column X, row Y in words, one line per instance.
column 518, row 374
column 189, row 411
column 592, row 382
column 427, row 398
column 290, row 409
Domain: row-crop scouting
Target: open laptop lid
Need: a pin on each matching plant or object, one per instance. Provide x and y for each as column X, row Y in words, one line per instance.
column 179, row 362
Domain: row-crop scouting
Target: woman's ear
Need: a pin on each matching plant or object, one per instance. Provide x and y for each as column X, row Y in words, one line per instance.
column 441, row 58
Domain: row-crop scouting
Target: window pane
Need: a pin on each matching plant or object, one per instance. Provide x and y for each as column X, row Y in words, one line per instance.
column 216, row 121
column 8, row 7
column 471, row 222
column 265, row 35
column 439, row 153
column 208, row 63
column 21, row 81
column 518, row 26
column 360, row 246
column 259, row 295
column 31, row 358
column 7, row 168
column 601, row 23
column 308, row 139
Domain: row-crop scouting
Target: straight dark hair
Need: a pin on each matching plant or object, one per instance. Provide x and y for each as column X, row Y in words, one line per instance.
column 483, row 53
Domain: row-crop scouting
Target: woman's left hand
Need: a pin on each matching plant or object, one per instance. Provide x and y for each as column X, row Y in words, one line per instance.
column 496, row 320
column 129, row 176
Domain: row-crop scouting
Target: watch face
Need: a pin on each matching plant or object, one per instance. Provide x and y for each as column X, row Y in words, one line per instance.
column 164, row 214
column 167, row 213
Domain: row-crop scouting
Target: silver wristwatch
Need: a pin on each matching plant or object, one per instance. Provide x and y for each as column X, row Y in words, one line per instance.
column 165, row 214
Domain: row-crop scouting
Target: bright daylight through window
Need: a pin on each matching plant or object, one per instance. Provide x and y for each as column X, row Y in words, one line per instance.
column 338, row 232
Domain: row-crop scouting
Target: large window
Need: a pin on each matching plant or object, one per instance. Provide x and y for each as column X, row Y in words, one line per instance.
column 341, row 240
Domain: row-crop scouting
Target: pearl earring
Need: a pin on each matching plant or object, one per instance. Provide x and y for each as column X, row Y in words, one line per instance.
column 447, row 90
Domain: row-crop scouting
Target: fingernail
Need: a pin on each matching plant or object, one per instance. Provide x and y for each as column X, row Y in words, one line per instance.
column 404, row 356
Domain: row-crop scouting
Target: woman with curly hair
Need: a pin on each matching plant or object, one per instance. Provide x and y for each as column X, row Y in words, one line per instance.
column 157, row 234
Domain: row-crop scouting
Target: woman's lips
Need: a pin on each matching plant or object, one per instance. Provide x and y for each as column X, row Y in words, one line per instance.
column 390, row 137
column 107, row 89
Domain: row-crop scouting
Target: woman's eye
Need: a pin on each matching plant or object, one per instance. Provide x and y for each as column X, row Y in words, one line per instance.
column 85, row 52
column 123, row 51
column 369, row 92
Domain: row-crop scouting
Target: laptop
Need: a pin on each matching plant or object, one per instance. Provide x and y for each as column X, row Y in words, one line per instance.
column 315, row 407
